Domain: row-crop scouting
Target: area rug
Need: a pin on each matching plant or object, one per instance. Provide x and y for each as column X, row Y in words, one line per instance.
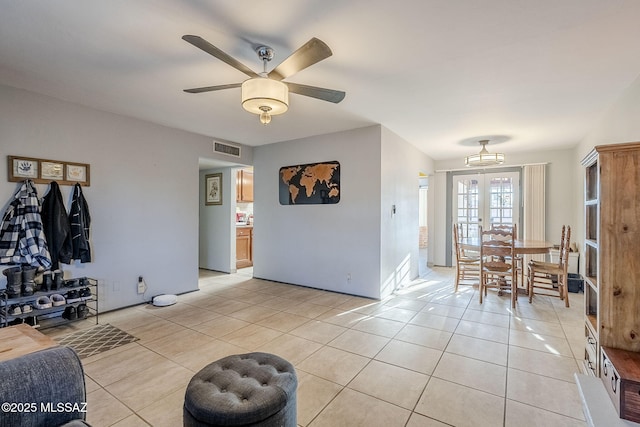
column 96, row 340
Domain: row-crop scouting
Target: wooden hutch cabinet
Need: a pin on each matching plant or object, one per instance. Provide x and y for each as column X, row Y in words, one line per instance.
column 612, row 258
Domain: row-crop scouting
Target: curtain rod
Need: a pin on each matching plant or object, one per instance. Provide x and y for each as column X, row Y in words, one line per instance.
column 491, row 167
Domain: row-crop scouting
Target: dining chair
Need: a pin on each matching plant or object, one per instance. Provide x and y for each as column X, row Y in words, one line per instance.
column 497, row 262
column 519, row 258
column 541, row 275
column 467, row 262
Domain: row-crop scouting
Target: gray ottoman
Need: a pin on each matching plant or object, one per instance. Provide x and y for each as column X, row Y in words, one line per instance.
column 254, row 389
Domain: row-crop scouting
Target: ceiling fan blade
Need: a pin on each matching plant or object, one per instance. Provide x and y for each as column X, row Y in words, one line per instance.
column 313, row 51
column 330, row 95
column 201, row 43
column 212, row 88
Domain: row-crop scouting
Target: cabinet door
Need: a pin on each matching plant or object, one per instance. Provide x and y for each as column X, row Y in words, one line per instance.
column 247, row 186
column 239, row 186
column 243, row 248
column 244, row 186
column 618, row 249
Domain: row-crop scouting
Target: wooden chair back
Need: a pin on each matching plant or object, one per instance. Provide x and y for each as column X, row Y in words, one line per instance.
column 456, row 238
column 497, row 243
column 565, row 249
column 506, row 227
column 562, row 245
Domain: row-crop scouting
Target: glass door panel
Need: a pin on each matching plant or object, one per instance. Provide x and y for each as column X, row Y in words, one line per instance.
column 485, row 199
column 467, row 203
column 504, row 198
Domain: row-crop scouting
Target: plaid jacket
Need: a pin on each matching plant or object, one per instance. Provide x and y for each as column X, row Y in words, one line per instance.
column 22, row 240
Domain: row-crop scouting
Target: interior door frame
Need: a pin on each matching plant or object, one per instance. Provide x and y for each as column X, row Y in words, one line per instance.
column 449, row 207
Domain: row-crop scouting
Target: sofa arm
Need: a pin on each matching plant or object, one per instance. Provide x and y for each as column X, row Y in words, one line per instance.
column 47, row 388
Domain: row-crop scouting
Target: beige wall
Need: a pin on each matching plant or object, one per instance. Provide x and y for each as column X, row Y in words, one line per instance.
column 143, row 197
column 620, row 123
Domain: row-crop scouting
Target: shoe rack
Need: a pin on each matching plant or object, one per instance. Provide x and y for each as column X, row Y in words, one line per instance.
column 71, row 300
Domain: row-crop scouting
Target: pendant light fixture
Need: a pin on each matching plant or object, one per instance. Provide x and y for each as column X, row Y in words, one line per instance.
column 484, row 158
column 264, row 96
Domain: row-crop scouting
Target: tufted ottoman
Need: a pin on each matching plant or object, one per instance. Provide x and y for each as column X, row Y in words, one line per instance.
column 254, row 389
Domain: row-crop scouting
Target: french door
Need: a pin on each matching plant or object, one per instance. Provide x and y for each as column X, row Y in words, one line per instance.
column 485, row 199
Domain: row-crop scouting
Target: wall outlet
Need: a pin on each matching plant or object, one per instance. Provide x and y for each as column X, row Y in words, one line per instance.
column 116, row 286
column 348, row 277
column 142, row 286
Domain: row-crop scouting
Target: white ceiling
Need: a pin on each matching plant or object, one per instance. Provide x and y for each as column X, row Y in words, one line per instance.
column 439, row 73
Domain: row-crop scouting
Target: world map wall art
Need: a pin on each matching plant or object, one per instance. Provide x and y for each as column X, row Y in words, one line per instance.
column 310, row 184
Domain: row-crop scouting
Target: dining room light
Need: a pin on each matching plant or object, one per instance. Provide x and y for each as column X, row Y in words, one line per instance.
column 484, row 158
column 265, row 97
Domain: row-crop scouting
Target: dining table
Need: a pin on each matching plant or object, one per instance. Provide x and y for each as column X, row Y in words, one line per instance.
column 520, row 247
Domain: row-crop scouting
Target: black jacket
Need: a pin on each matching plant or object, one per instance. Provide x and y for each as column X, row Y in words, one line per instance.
column 56, row 226
column 80, row 223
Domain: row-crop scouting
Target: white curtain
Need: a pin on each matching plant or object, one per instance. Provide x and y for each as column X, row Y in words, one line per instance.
column 534, row 205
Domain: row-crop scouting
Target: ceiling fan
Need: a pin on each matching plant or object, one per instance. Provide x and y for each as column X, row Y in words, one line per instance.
column 265, row 93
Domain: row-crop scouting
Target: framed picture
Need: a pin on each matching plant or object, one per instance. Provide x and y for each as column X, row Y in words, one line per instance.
column 310, row 184
column 51, row 170
column 76, row 173
column 213, row 189
column 43, row 171
column 21, row 168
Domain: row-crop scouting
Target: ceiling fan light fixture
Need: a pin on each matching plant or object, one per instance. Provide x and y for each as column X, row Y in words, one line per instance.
column 265, row 97
column 265, row 116
column 484, row 157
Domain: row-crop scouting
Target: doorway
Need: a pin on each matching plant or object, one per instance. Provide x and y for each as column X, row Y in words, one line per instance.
column 484, row 199
column 423, row 188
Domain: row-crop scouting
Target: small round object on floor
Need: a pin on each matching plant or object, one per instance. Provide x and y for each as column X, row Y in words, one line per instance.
column 164, row 300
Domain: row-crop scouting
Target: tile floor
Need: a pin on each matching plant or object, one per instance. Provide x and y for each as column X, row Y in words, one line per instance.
column 424, row 357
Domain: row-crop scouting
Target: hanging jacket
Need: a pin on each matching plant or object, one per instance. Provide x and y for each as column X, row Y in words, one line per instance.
column 56, row 227
column 80, row 222
column 22, row 240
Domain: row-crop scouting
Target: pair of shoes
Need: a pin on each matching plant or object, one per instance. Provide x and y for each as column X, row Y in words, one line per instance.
column 70, row 313
column 83, row 311
column 15, row 310
column 71, row 283
column 45, row 302
column 85, row 292
column 73, row 296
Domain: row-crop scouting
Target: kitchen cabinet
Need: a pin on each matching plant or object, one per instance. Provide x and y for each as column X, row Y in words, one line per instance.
column 244, row 186
column 244, row 247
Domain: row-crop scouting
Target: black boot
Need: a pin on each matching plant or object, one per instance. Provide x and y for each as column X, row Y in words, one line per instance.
column 57, row 280
column 28, row 280
column 14, row 281
column 47, row 281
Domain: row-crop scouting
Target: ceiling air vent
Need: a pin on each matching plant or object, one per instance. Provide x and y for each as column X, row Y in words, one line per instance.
column 228, row 149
